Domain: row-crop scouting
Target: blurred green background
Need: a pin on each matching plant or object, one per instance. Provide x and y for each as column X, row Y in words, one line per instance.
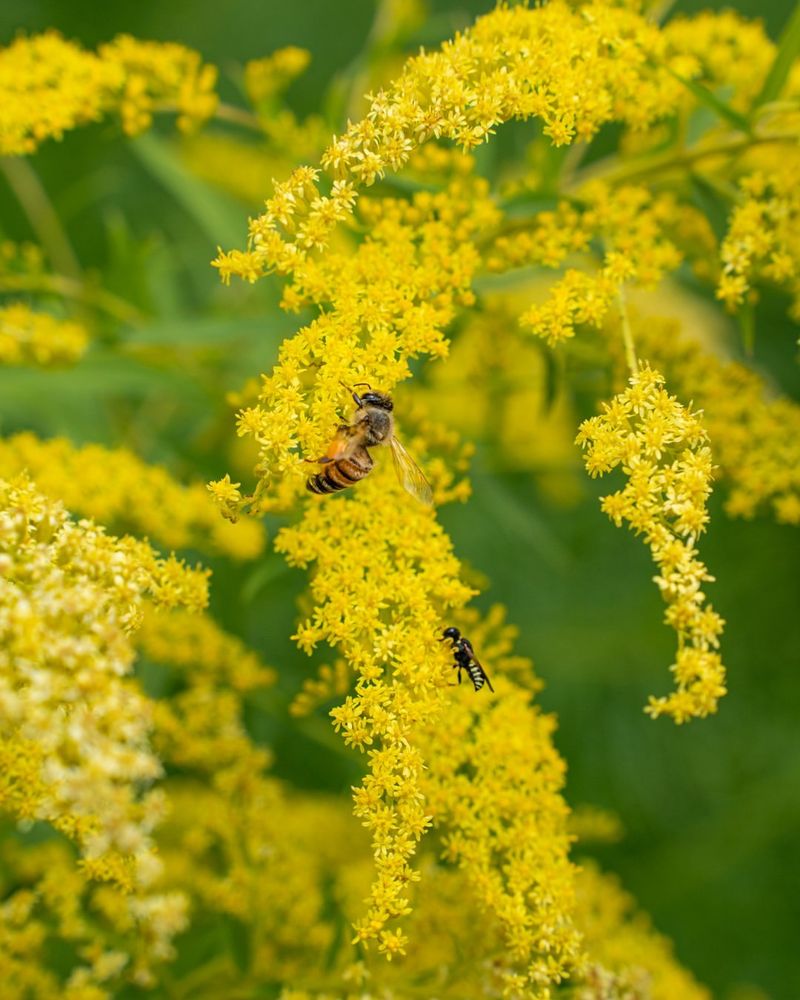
column 711, row 810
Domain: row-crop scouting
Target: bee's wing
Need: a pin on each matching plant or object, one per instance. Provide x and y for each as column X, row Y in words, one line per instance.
column 477, row 662
column 410, row 475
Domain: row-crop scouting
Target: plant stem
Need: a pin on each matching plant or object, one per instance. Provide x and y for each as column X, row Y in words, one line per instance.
column 238, row 116
column 32, row 197
column 627, row 335
column 672, row 161
column 60, row 284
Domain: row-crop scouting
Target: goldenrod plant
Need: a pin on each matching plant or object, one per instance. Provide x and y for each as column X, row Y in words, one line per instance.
column 308, row 367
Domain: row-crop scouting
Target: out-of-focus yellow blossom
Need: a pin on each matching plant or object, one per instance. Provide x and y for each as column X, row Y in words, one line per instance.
column 755, row 434
column 49, row 85
column 75, row 747
column 196, row 643
column 593, row 825
column 244, row 168
column 160, row 76
column 266, row 78
column 330, row 682
column 763, row 237
column 496, row 387
column 628, row 958
column 550, row 62
column 630, row 226
column 662, row 447
column 721, row 49
column 36, row 338
column 116, row 488
column 384, row 303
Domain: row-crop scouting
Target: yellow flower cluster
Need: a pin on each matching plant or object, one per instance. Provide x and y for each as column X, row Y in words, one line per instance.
column 485, row 773
column 662, row 448
column 755, row 435
column 574, row 69
column 116, row 488
column 385, row 302
column 37, row 338
column 379, row 596
column 75, row 746
column 629, row 225
column 493, row 786
column 49, row 85
column 762, row 240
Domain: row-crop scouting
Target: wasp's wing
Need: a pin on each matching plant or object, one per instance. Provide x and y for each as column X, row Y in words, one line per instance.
column 477, row 662
column 410, row 475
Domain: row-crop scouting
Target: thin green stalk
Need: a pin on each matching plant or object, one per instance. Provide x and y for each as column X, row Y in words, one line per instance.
column 34, row 201
column 627, row 334
column 59, row 284
column 666, row 162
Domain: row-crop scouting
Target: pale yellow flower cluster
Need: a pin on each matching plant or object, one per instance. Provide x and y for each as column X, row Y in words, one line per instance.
column 37, row 338
column 754, row 433
column 75, row 746
column 116, row 488
column 49, row 85
column 762, row 241
column 662, row 448
column 629, row 225
column 114, row 937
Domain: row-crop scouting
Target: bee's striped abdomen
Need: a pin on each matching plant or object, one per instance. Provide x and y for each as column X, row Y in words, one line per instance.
column 336, row 476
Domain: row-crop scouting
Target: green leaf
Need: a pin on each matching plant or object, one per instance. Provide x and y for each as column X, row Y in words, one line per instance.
column 218, row 215
column 714, row 103
column 237, row 938
column 788, row 51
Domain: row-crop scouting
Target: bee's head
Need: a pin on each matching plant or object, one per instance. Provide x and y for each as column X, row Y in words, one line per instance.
column 379, row 399
column 451, row 633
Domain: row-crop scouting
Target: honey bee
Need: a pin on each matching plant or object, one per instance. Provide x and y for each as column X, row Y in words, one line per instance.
column 348, row 460
column 465, row 658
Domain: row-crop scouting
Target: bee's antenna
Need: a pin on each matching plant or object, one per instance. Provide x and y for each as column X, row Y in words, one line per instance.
column 363, row 383
column 356, row 398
